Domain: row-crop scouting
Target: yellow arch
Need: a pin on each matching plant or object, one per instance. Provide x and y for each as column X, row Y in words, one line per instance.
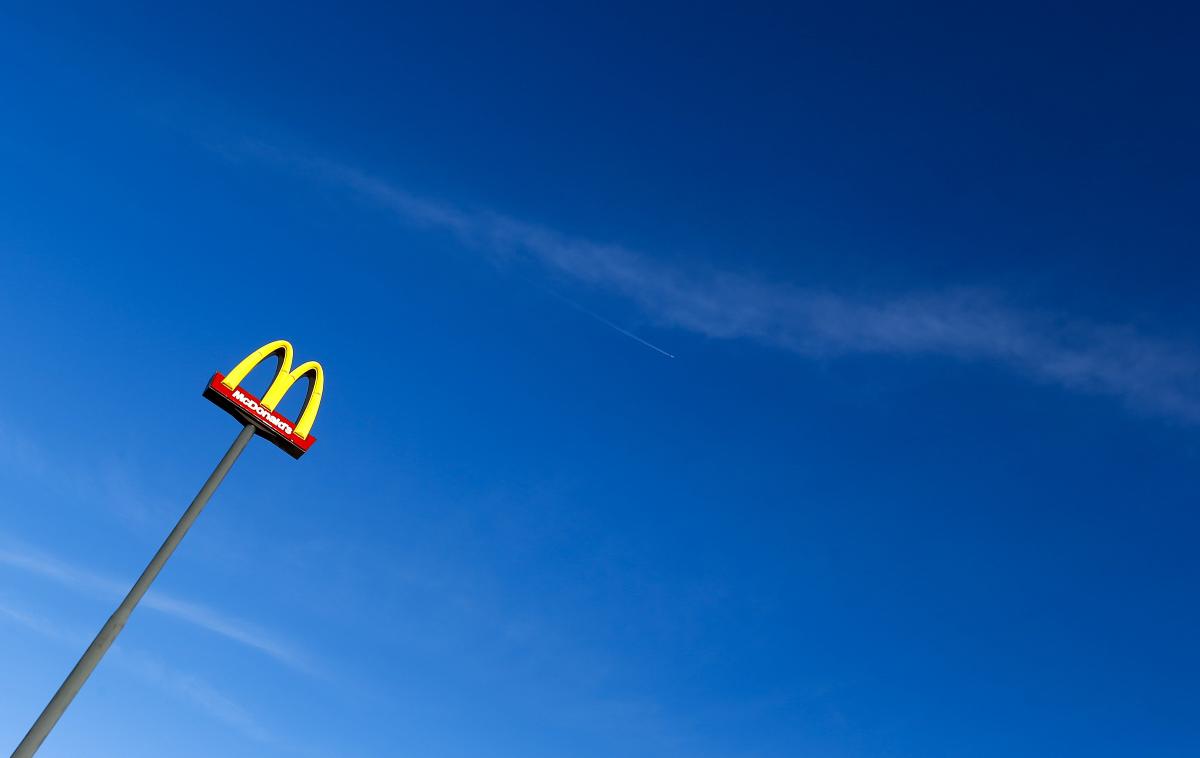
column 285, row 377
column 283, row 383
column 281, row 348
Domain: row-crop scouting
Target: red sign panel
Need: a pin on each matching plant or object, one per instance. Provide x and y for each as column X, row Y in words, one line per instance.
column 246, row 407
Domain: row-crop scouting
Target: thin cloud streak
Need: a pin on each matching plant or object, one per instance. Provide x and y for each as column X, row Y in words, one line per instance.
column 42, row 626
column 1147, row 373
column 81, row 580
column 185, row 686
column 200, row 693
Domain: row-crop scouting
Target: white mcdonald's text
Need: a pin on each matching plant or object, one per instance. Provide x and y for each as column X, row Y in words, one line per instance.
column 252, row 405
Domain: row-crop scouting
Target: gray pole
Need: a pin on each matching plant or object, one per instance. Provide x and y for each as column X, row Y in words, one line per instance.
column 79, row 674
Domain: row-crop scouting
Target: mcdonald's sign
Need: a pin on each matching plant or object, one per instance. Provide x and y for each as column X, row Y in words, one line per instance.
column 293, row 437
column 258, row 417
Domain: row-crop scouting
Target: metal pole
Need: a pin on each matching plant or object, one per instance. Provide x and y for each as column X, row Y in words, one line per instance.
column 79, row 674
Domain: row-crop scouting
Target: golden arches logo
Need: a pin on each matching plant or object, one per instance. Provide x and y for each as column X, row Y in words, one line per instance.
column 226, row 391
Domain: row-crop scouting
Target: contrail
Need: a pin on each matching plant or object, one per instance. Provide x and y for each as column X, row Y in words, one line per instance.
column 605, row 321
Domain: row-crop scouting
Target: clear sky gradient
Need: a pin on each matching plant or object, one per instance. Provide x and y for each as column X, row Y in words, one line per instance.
column 704, row 382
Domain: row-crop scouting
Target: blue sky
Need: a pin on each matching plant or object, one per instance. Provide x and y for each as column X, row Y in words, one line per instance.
column 700, row 381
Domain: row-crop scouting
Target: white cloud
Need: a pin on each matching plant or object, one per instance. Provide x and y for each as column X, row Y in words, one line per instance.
column 81, row 580
column 198, row 692
column 184, row 686
column 1148, row 373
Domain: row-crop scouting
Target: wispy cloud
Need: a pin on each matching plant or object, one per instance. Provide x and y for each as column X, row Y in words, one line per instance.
column 198, row 692
column 1148, row 373
column 35, row 623
column 109, row 483
column 23, row 455
column 185, row 686
column 82, row 580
